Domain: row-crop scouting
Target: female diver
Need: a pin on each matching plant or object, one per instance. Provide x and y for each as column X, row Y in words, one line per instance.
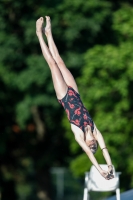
column 83, row 127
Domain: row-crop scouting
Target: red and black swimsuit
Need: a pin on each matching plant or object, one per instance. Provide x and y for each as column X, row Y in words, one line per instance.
column 76, row 112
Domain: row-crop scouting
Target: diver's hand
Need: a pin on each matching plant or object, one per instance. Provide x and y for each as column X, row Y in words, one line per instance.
column 106, row 175
column 110, row 169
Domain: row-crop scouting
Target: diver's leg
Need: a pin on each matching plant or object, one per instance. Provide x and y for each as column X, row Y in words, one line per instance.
column 68, row 77
column 58, row 80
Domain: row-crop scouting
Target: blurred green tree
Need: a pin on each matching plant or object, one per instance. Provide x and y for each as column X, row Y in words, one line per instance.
column 32, row 136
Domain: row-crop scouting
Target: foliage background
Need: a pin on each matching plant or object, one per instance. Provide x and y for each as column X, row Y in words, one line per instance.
column 95, row 40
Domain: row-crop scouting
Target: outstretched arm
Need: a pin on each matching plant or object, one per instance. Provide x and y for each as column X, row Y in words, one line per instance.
column 80, row 139
column 104, row 149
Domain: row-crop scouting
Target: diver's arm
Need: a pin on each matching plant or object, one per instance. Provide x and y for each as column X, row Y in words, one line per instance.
column 79, row 137
column 104, row 149
column 92, row 158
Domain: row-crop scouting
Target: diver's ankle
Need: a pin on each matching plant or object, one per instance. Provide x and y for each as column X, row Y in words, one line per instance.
column 38, row 33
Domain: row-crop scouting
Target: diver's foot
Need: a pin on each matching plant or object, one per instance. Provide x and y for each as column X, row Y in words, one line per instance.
column 39, row 24
column 47, row 29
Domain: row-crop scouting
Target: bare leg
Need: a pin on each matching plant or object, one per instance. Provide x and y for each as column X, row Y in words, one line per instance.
column 58, row 80
column 68, row 77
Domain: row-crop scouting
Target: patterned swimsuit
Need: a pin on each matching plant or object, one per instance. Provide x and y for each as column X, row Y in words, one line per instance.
column 76, row 112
